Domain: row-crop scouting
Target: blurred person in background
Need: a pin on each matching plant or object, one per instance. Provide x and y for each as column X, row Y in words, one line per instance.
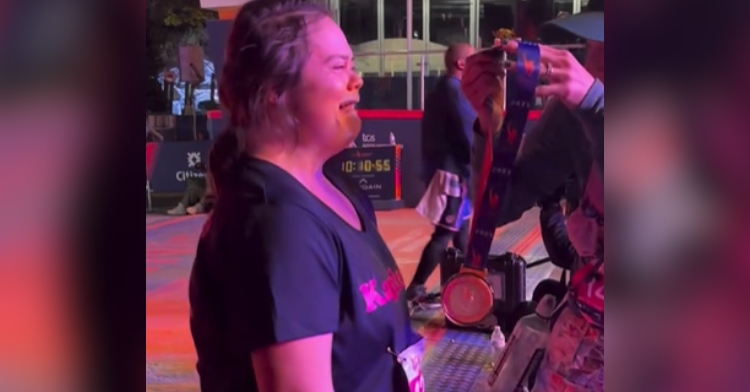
column 293, row 288
column 151, row 134
column 710, row 341
column 207, row 193
column 682, row 234
column 567, row 141
column 56, row 64
column 447, row 138
column 194, row 196
column 206, row 204
column 677, row 178
column 198, row 198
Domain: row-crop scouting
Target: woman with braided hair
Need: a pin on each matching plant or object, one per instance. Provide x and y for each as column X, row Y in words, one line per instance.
column 293, row 288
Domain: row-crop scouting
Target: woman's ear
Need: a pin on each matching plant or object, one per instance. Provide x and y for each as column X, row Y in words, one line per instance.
column 279, row 109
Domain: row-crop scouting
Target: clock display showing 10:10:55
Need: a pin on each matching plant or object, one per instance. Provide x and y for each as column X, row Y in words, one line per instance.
column 366, row 166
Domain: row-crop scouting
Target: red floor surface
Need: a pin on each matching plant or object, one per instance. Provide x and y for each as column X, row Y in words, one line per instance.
column 170, row 247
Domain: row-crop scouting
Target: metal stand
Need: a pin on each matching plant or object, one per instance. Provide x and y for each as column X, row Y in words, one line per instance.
column 538, row 263
column 148, row 196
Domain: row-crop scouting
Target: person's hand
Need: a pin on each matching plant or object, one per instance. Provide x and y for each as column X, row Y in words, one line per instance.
column 482, row 83
column 568, row 80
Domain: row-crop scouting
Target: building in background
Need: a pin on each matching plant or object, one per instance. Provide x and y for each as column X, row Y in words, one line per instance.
column 399, row 44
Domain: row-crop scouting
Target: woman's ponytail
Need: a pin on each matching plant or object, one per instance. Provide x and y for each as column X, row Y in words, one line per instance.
column 223, row 157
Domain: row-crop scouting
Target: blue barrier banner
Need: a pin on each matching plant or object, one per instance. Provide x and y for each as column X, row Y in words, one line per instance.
column 174, row 163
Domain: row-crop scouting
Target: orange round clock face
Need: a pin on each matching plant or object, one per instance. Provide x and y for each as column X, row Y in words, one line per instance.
column 467, row 299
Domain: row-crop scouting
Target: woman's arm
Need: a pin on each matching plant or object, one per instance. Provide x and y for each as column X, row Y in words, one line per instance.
column 299, row 366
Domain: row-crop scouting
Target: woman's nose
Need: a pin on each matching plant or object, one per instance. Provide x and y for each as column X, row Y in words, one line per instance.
column 355, row 81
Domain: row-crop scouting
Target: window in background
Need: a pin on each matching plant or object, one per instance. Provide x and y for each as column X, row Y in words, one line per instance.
column 529, row 16
column 562, row 7
column 522, row 16
column 418, row 22
column 493, row 16
column 449, row 21
column 394, row 19
column 359, row 20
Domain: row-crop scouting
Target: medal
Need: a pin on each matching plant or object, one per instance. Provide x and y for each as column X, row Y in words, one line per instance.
column 467, row 297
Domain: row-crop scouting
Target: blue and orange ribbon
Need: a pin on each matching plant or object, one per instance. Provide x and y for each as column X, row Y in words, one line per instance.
column 496, row 173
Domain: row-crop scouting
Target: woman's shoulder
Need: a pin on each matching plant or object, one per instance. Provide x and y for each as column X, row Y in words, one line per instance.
column 285, row 217
column 266, row 198
column 273, row 234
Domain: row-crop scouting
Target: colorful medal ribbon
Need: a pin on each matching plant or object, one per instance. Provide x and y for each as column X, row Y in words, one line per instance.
column 587, row 292
column 496, row 173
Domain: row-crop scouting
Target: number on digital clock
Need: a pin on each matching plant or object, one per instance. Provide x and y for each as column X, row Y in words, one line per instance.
column 383, row 165
column 347, row 166
column 366, row 166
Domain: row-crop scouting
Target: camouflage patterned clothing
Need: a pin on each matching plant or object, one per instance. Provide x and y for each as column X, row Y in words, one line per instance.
column 575, row 353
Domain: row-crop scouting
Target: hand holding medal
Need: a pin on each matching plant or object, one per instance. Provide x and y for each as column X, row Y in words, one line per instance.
column 566, row 78
column 468, row 297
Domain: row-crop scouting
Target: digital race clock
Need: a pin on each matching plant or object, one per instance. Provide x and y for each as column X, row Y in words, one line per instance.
column 366, row 166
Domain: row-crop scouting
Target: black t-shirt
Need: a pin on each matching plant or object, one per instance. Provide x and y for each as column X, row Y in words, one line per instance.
column 274, row 264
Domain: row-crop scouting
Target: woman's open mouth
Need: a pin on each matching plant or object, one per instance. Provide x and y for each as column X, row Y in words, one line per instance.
column 350, row 105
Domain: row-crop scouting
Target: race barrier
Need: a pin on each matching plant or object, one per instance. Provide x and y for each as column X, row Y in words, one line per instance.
column 172, row 163
column 169, row 165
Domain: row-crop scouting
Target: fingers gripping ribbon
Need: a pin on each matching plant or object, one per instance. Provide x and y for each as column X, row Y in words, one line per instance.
column 496, row 173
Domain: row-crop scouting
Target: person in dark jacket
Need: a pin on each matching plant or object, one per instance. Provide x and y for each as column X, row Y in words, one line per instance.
column 447, row 137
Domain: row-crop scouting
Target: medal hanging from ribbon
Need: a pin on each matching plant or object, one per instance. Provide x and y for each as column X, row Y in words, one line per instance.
column 468, row 297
